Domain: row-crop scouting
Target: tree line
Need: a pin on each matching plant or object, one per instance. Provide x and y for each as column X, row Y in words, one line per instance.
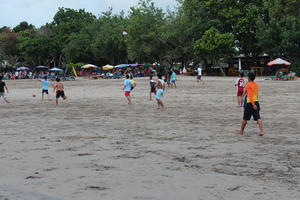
column 196, row 31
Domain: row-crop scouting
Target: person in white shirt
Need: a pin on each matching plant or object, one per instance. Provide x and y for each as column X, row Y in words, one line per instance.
column 199, row 77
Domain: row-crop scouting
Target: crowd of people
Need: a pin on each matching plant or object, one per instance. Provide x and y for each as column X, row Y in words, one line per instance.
column 247, row 92
column 27, row 75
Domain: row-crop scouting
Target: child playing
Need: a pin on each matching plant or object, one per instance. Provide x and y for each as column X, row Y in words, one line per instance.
column 152, row 87
column 252, row 106
column 45, row 86
column 240, row 82
column 160, row 87
column 2, row 91
column 127, row 89
column 133, row 84
column 60, row 90
column 173, row 79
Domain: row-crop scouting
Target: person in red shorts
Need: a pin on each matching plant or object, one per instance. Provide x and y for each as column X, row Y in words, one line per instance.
column 240, row 82
column 127, row 88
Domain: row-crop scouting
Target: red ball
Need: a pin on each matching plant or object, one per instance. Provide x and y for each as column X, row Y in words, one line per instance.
column 33, row 95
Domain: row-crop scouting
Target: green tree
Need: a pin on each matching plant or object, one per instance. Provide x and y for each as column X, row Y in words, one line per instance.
column 144, row 32
column 214, row 45
column 36, row 49
column 23, row 26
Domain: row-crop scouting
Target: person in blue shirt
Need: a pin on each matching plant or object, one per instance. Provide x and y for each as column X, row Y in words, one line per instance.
column 45, row 87
column 173, row 79
column 127, row 88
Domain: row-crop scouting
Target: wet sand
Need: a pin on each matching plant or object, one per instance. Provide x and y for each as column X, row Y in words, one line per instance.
column 95, row 146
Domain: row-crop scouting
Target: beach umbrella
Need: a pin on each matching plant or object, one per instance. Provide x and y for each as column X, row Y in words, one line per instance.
column 108, row 67
column 133, row 65
column 89, row 66
column 56, row 70
column 121, row 66
column 22, row 68
column 279, row 61
column 41, row 67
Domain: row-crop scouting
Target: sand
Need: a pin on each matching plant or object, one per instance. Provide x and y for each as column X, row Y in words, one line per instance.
column 94, row 146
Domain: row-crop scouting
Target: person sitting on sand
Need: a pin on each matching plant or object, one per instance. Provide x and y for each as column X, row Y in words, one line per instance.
column 2, row 91
column 252, row 106
column 160, row 87
column 60, row 90
column 152, row 87
column 127, row 88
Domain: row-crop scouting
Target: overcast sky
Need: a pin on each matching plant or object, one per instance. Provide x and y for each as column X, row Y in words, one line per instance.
column 39, row 12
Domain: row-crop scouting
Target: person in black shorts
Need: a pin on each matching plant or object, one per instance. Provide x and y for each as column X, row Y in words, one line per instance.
column 60, row 90
column 252, row 107
column 152, row 87
column 2, row 91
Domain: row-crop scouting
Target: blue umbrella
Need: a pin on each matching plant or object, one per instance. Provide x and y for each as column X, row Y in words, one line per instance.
column 121, row 66
column 56, row 70
column 133, row 65
column 22, row 68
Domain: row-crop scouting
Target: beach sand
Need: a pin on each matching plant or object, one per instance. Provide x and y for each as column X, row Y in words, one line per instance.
column 94, row 146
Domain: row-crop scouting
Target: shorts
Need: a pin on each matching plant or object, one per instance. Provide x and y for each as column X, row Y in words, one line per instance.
column 199, row 77
column 249, row 112
column 159, row 94
column 2, row 94
column 153, row 90
column 127, row 93
column 240, row 92
column 173, row 81
column 60, row 94
column 45, row 91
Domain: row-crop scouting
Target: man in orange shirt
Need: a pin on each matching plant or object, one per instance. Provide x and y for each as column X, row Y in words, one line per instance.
column 252, row 107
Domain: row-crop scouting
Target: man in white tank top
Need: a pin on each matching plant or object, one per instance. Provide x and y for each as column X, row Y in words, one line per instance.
column 160, row 87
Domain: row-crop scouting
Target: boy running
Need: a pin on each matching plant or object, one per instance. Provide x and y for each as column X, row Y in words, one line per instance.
column 3, row 87
column 252, row 106
column 45, row 86
column 173, row 79
column 60, row 90
column 152, row 87
column 160, row 87
column 240, row 82
column 127, row 89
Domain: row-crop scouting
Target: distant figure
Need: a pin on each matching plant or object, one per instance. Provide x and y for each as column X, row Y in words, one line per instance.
column 252, row 106
column 241, row 83
column 160, row 87
column 133, row 84
column 173, row 79
column 45, row 86
column 152, row 87
column 127, row 89
column 199, row 76
column 3, row 87
column 60, row 90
